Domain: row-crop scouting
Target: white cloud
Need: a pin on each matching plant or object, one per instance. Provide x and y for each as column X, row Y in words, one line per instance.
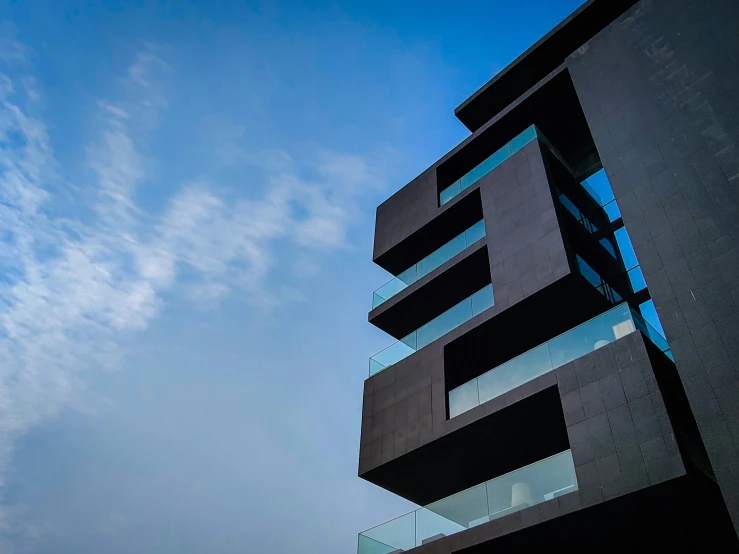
column 73, row 288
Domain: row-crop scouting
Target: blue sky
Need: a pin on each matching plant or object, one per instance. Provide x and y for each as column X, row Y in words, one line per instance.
column 187, row 194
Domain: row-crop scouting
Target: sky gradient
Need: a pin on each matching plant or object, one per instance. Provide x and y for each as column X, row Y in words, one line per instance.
column 187, row 196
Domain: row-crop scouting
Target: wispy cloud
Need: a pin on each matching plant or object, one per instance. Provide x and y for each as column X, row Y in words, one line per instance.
column 75, row 286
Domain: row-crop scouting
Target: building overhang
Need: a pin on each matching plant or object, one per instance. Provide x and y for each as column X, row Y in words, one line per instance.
column 539, row 61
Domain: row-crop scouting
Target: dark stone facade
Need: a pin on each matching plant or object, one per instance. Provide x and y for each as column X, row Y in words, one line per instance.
column 405, row 405
column 660, row 91
column 623, row 445
column 655, row 444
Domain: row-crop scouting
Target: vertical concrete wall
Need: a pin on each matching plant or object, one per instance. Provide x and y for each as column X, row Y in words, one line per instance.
column 660, row 90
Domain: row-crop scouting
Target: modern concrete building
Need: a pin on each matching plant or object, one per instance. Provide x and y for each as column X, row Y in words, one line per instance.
column 529, row 400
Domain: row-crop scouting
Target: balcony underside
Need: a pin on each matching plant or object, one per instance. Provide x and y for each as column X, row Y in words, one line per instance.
column 686, row 513
column 516, row 436
column 455, row 280
column 549, row 312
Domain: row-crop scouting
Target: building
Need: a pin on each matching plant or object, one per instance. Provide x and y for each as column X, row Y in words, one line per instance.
column 528, row 400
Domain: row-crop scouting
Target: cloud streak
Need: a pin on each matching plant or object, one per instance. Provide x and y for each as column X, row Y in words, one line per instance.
column 76, row 286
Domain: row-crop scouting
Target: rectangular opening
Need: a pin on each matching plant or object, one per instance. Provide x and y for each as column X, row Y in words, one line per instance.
column 522, row 488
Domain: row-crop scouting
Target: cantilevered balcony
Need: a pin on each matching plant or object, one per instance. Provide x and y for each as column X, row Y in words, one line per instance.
column 437, row 327
column 525, row 487
column 429, row 263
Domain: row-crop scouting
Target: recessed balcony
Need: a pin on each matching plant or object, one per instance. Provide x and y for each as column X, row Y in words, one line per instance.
column 437, row 327
column 525, row 487
column 583, row 339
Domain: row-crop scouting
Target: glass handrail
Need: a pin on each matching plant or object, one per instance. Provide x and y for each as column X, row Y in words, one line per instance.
column 437, row 327
column 485, row 167
column 575, row 343
column 591, row 192
column 586, row 223
column 600, row 284
column 429, row 263
column 636, row 278
column 525, row 487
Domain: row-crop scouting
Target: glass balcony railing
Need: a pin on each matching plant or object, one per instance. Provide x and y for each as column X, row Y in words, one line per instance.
column 507, row 494
column 487, row 166
column 591, row 192
column 586, row 223
column 597, row 281
column 441, row 325
column 636, row 278
column 591, row 335
column 429, row 263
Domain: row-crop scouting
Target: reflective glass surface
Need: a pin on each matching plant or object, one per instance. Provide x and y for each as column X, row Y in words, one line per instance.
column 583, row 339
column 488, row 165
column 588, row 272
column 511, row 374
column 519, row 489
column 605, row 243
column 441, row 325
column 591, row 192
column 612, row 211
column 429, row 263
column 636, row 277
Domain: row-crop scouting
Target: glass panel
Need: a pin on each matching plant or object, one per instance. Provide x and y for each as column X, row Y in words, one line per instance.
column 608, row 246
column 512, row 374
column 399, row 533
column 482, row 300
column 523, row 139
column 591, row 192
column 654, row 335
column 591, row 335
column 474, row 233
column 612, row 211
column 627, row 250
column 391, row 355
column 409, row 276
column 599, row 183
column 438, row 257
column 429, row 263
column 452, row 515
column 463, row 398
column 434, row 329
column 371, row 546
column 567, row 203
column 532, row 485
column 388, row 290
column 450, row 192
column 649, row 312
column 536, row 483
column 637, row 279
column 411, row 340
column 589, row 273
column 486, row 166
column 444, row 323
